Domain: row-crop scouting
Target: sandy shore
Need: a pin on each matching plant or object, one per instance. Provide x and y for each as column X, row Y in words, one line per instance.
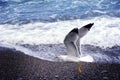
column 14, row 65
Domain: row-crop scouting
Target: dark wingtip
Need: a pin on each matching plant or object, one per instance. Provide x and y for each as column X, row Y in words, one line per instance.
column 89, row 26
column 75, row 30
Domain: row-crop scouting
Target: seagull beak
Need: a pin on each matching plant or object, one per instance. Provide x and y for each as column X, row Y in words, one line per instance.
column 88, row 26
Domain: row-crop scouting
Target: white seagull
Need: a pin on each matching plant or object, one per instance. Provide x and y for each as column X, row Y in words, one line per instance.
column 72, row 43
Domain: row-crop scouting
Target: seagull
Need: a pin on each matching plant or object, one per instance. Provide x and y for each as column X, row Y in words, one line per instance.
column 72, row 43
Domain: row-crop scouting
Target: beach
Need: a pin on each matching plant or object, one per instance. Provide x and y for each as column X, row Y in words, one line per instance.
column 33, row 32
column 15, row 65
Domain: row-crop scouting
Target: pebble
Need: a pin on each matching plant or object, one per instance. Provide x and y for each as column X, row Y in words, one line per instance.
column 56, row 76
column 44, row 78
column 20, row 79
column 105, row 78
column 104, row 71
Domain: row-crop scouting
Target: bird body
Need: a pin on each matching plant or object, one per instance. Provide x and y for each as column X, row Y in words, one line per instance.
column 72, row 43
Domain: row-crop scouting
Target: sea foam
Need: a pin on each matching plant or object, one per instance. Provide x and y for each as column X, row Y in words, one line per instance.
column 45, row 40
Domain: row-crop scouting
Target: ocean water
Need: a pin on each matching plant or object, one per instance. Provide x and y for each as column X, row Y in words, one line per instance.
column 38, row 28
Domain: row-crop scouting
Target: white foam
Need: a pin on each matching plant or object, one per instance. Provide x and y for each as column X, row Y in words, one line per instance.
column 104, row 33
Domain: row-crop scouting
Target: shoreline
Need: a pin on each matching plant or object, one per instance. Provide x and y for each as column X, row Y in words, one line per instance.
column 15, row 65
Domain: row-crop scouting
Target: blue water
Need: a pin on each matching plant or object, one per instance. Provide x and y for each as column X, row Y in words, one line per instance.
column 25, row 11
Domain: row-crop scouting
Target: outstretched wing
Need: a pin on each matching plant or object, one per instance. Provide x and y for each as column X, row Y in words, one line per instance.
column 70, row 42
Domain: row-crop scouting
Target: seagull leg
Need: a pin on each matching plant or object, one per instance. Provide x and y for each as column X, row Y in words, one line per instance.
column 79, row 47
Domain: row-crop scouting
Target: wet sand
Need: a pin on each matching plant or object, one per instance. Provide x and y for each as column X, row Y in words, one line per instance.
column 15, row 65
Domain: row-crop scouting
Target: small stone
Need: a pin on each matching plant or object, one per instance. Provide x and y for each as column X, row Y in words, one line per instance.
column 105, row 78
column 44, row 78
column 20, row 79
column 50, row 45
column 104, row 71
column 56, row 76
